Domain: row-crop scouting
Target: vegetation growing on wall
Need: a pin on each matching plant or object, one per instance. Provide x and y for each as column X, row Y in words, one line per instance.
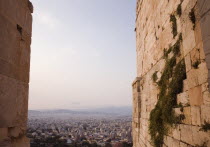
column 195, row 64
column 205, row 127
column 154, row 76
column 192, row 17
column 162, row 117
column 174, row 25
column 179, row 10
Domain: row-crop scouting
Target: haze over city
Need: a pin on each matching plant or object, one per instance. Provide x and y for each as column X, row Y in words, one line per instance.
column 83, row 54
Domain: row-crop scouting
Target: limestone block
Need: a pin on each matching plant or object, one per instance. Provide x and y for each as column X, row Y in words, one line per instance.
column 15, row 132
column 192, row 78
column 185, row 86
column 188, row 4
column 175, row 143
column 188, row 42
column 176, row 133
column 165, row 140
column 10, row 70
column 171, row 142
column 139, row 64
column 151, row 56
column 168, row 140
column 177, row 111
column 196, row 115
column 22, row 142
column 205, row 21
column 24, row 58
column 157, row 52
column 3, row 133
column 179, row 23
column 202, row 53
column 199, row 137
column 10, row 41
column 205, row 87
column 187, row 114
column 209, row 78
column 205, row 117
column 148, row 144
column 27, row 27
column 173, row 6
column 164, row 16
column 150, row 39
column 5, row 142
column 146, row 63
column 14, row 53
column 206, row 98
column 160, row 67
column 183, row 98
column 205, row 34
column 142, row 140
column 188, row 62
column 13, row 95
column 166, row 37
column 198, row 36
column 186, row 134
column 196, row 96
column 183, row 144
column 195, row 55
column 203, row 6
column 203, row 73
column 17, row 11
column 207, row 59
column 187, row 28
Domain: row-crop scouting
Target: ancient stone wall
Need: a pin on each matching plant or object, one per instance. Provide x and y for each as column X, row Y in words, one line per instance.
column 15, row 40
column 171, row 99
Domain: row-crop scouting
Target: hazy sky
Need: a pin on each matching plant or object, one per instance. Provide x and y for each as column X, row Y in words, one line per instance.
column 83, row 53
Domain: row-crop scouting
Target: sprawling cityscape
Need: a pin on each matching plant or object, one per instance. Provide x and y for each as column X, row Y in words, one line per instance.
column 64, row 129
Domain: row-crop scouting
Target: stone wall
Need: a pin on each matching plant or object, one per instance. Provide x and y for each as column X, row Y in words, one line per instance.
column 157, row 36
column 15, row 40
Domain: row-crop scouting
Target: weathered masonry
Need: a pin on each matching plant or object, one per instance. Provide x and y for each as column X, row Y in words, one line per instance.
column 171, row 98
column 15, row 40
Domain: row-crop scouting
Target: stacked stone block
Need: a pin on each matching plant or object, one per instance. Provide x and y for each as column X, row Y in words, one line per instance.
column 154, row 34
column 136, row 108
column 15, row 40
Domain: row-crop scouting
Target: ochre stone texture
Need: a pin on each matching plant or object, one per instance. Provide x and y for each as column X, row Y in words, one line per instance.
column 15, row 41
column 153, row 34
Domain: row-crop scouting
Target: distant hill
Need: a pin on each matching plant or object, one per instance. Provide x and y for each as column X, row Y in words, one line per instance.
column 127, row 110
column 34, row 112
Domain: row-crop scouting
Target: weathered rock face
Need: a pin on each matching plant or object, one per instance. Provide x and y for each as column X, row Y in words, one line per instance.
column 160, row 26
column 15, row 40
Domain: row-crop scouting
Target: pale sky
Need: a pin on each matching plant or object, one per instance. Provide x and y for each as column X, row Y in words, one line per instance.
column 82, row 54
